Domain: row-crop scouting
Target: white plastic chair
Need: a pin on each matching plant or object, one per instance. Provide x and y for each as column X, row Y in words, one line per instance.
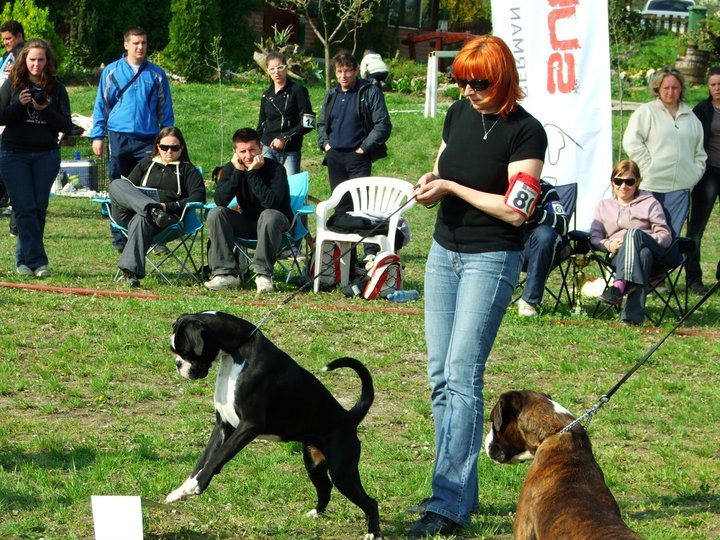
column 373, row 194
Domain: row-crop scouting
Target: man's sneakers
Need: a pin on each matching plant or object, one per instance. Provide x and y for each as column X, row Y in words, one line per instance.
column 526, row 310
column 160, row 218
column 217, row 283
column 264, row 284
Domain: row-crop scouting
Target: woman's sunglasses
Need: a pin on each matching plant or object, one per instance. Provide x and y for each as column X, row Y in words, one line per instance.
column 618, row 181
column 478, row 85
column 173, row 147
column 277, row 69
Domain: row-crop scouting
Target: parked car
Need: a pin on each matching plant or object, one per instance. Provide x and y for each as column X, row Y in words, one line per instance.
column 667, row 8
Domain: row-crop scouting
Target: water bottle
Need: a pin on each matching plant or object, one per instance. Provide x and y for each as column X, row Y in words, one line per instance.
column 404, row 296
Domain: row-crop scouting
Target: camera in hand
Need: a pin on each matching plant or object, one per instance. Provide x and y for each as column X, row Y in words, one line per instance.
column 38, row 94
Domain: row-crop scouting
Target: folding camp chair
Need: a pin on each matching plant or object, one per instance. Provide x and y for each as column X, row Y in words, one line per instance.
column 178, row 239
column 568, row 198
column 375, row 194
column 292, row 240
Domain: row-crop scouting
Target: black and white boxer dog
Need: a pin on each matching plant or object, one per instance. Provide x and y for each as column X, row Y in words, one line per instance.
column 564, row 495
column 261, row 392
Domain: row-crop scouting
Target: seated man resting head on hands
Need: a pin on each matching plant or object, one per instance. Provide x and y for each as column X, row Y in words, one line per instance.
column 263, row 213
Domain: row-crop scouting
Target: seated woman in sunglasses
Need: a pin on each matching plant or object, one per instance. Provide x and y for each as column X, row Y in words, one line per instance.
column 173, row 181
column 631, row 226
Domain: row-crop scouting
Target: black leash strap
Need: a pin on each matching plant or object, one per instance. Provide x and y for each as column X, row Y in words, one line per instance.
column 308, row 283
column 592, row 411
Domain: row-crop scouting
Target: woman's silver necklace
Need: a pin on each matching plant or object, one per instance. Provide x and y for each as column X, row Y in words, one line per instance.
column 487, row 131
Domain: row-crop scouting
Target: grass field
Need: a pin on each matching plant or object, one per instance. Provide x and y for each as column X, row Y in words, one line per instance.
column 90, row 403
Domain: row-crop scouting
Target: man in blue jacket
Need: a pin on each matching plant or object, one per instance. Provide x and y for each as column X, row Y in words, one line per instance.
column 133, row 104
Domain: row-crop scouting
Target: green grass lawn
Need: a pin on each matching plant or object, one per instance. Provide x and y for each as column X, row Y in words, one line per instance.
column 90, row 403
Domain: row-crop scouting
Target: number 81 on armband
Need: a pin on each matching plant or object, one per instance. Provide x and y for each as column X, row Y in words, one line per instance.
column 523, row 194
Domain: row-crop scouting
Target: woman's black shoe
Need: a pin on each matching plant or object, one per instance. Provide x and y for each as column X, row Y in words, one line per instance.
column 698, row 287
column 131, row 280
column 160, row 218
column 612, row 296
column 431, row 524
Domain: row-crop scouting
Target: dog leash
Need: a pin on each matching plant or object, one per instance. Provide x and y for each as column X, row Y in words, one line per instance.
column 592, row 411
column 271, row 313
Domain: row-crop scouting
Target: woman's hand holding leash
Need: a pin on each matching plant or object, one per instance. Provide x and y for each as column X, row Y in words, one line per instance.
column 430, row 189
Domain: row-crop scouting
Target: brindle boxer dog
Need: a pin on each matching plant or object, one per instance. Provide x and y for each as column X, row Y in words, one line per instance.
column 564, row 495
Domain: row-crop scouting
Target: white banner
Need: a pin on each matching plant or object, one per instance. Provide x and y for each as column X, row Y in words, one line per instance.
column 563, row 56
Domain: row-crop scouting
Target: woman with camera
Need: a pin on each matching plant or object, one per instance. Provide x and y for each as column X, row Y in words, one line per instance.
column 34, row 108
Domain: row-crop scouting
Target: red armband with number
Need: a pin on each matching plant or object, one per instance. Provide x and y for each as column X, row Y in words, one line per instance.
column 523, row 194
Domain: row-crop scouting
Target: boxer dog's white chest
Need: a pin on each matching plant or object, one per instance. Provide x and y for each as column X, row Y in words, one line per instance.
column 225, row 386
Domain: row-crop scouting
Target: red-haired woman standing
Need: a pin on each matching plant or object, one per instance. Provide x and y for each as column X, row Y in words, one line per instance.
column 485, row 176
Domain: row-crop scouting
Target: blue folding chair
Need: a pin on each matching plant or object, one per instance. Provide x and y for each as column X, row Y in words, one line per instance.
column 178, row 240
column 292, row 241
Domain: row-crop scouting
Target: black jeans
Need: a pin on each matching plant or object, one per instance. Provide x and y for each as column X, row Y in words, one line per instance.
column 343, row 165
column 704, row 195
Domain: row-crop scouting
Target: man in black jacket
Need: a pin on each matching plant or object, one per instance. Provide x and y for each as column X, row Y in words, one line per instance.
column 353, row 126
column 262, row 212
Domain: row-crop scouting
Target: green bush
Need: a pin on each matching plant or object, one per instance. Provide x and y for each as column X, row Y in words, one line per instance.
column 654, row 53
column 406, row 76
column 193, row 24
column 36, row 23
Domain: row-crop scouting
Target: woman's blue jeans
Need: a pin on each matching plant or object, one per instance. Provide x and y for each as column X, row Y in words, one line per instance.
column 28, row 178
column 466, row 296
column 289, row 160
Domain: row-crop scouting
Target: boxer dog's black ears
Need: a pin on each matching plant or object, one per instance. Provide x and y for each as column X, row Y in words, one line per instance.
column 193, row 333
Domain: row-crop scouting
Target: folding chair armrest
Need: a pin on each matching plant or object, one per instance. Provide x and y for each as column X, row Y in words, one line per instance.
column 190, row 206
column 100, row 200
column 307, row 210
column 685, row 244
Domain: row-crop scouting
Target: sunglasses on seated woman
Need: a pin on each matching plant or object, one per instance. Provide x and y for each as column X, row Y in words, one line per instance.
column 479, row 85
column 619, row 181
column 173, row 147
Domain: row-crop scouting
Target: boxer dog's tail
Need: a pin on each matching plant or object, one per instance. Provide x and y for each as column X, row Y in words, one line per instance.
column 367, row 394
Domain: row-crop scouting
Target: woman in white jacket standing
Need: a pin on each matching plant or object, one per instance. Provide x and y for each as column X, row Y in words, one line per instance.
column 665, row 138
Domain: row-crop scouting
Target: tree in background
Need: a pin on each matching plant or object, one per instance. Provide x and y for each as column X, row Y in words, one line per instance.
column 332, row 22
column 193, row 26
column 462, row 11
column 36, row 22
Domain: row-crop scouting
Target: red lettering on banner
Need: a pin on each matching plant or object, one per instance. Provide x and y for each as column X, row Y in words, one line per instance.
column 561, row 75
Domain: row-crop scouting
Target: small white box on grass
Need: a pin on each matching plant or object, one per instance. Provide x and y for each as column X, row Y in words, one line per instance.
column 117, row 517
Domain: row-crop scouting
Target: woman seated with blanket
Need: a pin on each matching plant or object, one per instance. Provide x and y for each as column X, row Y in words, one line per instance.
column 177, row 181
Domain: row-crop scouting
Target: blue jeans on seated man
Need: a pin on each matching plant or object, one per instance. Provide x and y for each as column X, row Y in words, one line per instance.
column 28, row 178
column 541, row 244
column 466, row 296
column 633, row 263
column 289, row 160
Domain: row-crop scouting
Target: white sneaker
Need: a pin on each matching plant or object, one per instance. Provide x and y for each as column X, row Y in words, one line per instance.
column 24, row 270
column 264, row 284
column 222, row 282
column 526, row 310
column 42, row 271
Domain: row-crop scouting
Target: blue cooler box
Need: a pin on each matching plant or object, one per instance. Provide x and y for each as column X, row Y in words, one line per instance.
column 86, row 169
